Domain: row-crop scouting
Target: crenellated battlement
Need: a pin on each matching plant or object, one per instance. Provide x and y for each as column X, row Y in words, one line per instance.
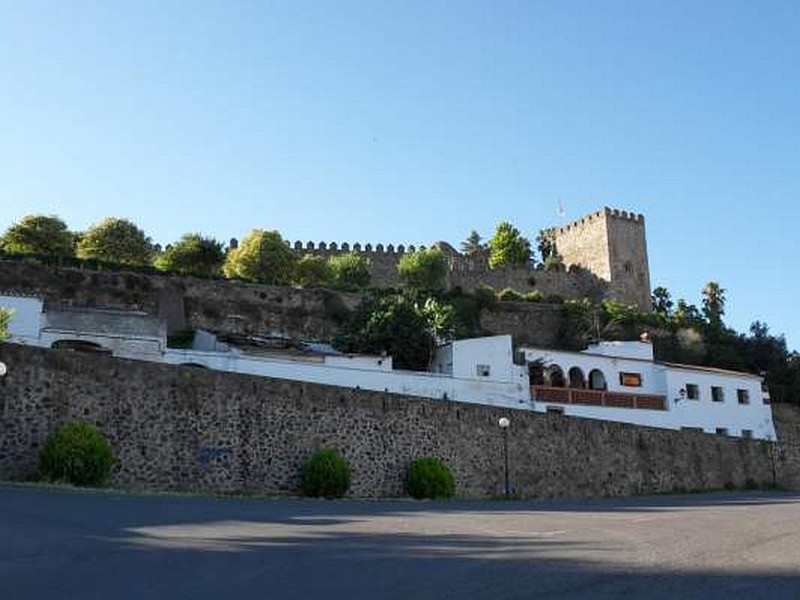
column 357, row 248
column 591, row 219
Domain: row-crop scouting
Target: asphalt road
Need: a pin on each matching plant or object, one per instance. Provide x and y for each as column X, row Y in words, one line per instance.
column 69, row 544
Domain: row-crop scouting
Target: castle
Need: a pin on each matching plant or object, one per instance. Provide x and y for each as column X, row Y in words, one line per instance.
column 604, row 256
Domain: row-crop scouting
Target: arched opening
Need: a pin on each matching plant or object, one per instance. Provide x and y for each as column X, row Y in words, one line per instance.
column 597, row 381
column 556, row 376
column 576, row 378
column 536, row 373
column 80, row 346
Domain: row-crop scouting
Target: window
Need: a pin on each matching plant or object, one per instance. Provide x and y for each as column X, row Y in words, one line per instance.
column 556, row 376
column 722, row 431
column 576, row 379
column 483, row 370
column 747, row 434
column 597, row 380
column 743, row 396
column 555, row 410
column 693, row 429
column 717, row 393
column 630, row 379
column 692, row 391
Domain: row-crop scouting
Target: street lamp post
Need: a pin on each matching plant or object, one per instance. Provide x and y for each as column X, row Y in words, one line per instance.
column 504, row 423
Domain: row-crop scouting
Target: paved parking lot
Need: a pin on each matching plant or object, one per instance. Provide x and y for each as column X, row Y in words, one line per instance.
column 73, row 544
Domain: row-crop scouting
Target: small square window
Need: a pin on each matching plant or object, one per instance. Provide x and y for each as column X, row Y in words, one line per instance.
column 747, row 434
column 692, row 391
column 722, row 431
column 483, row 370
column 630, row 379
column 743, row 396
column 717, row 393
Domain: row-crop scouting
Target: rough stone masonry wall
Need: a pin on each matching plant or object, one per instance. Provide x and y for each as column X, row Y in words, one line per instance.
column 188, row 429
column 230, row 307
column 218, row 305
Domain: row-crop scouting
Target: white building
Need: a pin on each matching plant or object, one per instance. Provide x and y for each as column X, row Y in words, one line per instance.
column 620, row 381
column 614, row 381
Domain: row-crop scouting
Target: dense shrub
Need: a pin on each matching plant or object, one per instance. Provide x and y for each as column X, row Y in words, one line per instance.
column 326, row 474
column 39, row 234
column 261, row 257
column 510, row 295
column 430, row 477
column 77, row 453
column 350, row 272
column 534, row 296
column 115, row 241
column 312, row 272
column 193, row 254
column 423, row 269
column 485, row 295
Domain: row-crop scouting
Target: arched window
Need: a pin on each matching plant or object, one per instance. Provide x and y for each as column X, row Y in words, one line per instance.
column 576, row 379
column 556, row 376
column 597, row 381
column 536, row 373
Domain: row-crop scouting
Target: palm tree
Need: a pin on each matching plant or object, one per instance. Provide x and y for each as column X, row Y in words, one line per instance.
column 713, row 301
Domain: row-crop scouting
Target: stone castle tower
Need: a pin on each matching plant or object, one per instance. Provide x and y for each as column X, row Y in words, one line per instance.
column 610, row 244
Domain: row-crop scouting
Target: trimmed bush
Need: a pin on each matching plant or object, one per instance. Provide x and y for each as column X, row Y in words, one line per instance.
column 430, row 477
column 326, row 474
column 510, row 295
column 77, row 453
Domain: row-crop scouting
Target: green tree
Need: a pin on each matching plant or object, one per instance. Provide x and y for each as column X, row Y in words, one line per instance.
column 350, row 272
column 473, row 244
column 263, row 257
column 661, row 301
column 39, row 234
column 312, row 271
column 116, row 241
column 393, row 324
column 193, row 254
column 423, row 269
column 713, row 302
column 508, row 247
column 5, row 321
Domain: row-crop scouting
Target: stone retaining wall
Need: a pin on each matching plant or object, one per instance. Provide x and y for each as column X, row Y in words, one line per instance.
column 190, row 429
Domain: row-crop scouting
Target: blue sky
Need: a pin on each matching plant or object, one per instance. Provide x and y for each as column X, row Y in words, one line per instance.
column 409, row 122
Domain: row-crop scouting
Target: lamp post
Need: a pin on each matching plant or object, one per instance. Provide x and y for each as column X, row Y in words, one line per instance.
column 504, row 423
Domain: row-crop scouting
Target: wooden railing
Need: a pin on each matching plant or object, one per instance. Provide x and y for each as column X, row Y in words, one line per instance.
column 560, row 395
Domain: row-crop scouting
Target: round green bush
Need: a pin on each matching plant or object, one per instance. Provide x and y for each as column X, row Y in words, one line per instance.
column 429, row 477
column 326, row 474
column 77, row 453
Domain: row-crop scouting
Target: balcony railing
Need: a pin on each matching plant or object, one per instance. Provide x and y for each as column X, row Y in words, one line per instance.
column 560, row 395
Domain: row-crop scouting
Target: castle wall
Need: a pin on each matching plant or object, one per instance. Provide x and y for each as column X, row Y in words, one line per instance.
column 190, row 429
column 231, row 307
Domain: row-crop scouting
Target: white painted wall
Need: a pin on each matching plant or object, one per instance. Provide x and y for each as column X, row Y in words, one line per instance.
column 426, row 385
column 638, row 350
column 653, row 381
column 495, row 352
column 667, row 380
column 26, row 320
